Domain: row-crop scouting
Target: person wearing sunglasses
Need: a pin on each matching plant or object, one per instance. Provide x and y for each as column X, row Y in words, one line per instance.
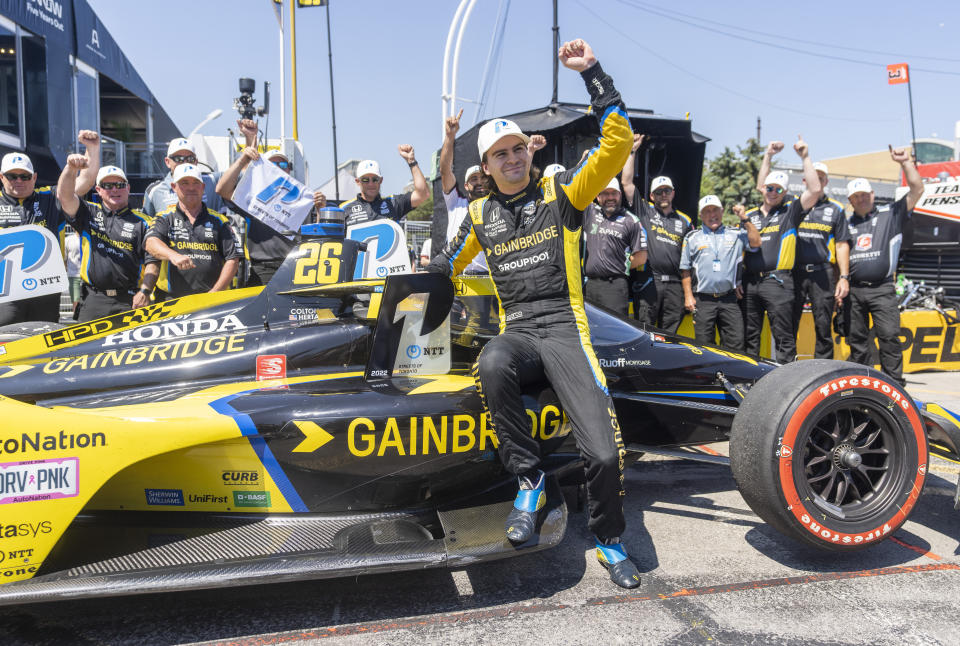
column 656, row 288
column 370, row 205
column 22, row 202
column 113, row 272
column 768, row 276
column 264, row 246
column 160, row 195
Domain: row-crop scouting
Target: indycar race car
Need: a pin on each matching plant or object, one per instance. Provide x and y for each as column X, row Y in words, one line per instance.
column 327, row 424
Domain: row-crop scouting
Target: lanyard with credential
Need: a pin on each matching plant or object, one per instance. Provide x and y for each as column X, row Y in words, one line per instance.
column 713, row 235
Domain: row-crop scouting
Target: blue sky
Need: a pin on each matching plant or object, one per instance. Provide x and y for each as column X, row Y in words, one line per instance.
column 703, row 57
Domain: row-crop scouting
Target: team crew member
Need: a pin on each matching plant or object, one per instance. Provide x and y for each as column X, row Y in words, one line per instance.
column 876, row 234
column 112, row 242
column 196, row 244
column 615, row 244
column 369, row 205
column 822, row 242
column 714, row 254
column 160, row 195
column 768, row 279
column 530, row 232
column 657, row 294
column 265, row 247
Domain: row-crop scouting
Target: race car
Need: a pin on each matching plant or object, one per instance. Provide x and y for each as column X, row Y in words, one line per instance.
column 327, row 425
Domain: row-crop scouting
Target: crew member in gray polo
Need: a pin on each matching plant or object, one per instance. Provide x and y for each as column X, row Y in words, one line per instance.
column 714, row 255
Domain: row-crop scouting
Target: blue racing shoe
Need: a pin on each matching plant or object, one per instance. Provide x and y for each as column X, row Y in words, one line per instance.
column 522, row 519
column 613, row 557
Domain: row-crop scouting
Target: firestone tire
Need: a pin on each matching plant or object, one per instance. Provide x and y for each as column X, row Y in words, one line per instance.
column 832, row 454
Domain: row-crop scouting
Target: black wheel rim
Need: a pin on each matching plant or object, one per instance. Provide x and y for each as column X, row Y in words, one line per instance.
column 853, row 460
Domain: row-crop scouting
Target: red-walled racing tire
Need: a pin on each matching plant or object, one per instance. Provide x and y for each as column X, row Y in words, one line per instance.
column 830, row 453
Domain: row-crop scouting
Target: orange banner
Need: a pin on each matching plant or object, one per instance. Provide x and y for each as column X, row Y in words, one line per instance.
column 898, row 73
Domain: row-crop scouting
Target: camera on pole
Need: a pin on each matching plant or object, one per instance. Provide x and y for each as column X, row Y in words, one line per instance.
column 244, row 104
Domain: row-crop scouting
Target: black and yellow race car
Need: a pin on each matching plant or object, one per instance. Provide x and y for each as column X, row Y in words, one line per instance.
column 326, row 425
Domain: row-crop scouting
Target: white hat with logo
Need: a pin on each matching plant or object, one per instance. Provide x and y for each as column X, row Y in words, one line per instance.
column 612, row 184
column 553, row 169
column 493, row 131
column 470, row 171
column 179, row 144
column 859, row 185
column 187, row 170
column 821, row 167
column 273, row 152
column 368, row 167
column 110, row 171
column 15, row 161
column 777, row 178
column 709, row 200
column 659, row 182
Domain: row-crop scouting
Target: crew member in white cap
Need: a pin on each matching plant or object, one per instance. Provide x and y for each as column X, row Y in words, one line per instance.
column 876, row 235
column 160, row 195
column 195, row 243
column 112, row 252
column 530, row 231
column 615, row 243
column 264, row 247
column 369, row 205
column 710, row 263
column 553, row 169
column 768, row 279
column 823, row 255
column 657, row 293
column 21, row 202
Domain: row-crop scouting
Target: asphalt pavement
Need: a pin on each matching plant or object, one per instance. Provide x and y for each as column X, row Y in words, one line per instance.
column 712, row 571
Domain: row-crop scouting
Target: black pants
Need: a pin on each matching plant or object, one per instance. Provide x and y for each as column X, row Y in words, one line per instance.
column 660, row 304
column 611, row 293
column 881, row 303
column 817, row 286
column 261, row 273
column 773, row 296
column 719, row 313
column 521, row 356
column 95, row 304
column 40, row 308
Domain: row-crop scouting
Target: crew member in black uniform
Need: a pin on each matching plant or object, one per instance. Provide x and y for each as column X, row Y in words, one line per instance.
column 876, row 234
column 22, row 203
column 196, row 244
column 265, row 247
column 530, row 232
column 111, row 242
column 615, row 244
column 768, row 279
column 370, row 205
column 657, row 290
column 823, row 254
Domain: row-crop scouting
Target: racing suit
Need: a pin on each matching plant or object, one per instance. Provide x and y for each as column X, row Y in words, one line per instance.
column 532, row 245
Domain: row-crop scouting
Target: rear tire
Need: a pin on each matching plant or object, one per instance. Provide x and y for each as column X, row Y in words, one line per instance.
column 832, row 454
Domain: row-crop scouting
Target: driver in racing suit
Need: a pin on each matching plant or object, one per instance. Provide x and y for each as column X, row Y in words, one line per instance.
column 530, row 232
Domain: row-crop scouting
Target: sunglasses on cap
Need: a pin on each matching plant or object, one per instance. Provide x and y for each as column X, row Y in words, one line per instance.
column 23, row 177
column 774, row 189
column 663, row 191
column 112, row 185
column 184, row 159
column 368, row 180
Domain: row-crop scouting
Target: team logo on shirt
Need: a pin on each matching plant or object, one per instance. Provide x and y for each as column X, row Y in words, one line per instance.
column 828, row 213
column 677, row 225
column 356, row 208
column 864, row 241
column 384, row 208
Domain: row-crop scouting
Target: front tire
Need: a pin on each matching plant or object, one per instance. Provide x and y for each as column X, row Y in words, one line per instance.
column 830, row 453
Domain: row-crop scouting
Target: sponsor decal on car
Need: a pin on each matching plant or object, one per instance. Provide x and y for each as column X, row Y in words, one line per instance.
column 39, row 480
column 239, row 478
column 208, row 498
column 251, row 498
column 25, row 530
column 62, row 441
column 165, row 497
column 110, row 323
column 174, row 329
column 176, row 350
column 271, row 366
column 622, row 362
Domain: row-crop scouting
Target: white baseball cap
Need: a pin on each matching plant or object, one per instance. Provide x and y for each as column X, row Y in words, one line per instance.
column 493, row 131
column 273, row 152
column 859, row 185
column 553, row 169
column 660, row 181
column 110, row 171
column 16, row 161
column 368, row 167
column 470, row 171
column 186, row 170
column 778, row 178
column 821, row 167
column 612, row 184
column 180, row 144
column 899, row 192
column 709, row 200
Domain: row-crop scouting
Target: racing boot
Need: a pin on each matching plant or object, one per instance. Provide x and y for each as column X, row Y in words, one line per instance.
column 612, row 556
column 522, row 519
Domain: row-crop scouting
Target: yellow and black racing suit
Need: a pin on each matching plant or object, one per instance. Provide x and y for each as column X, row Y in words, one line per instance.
column 532, row 244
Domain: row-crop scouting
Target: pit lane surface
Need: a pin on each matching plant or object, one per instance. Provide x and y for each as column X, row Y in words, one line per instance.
column 712, row 573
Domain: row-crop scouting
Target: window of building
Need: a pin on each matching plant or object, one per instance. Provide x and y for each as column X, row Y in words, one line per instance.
column 33, row 58
column 9, row 85
column 86, row 94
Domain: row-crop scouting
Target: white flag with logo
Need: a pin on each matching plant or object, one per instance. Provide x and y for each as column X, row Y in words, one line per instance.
column 273, row 197
column 30, row 263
